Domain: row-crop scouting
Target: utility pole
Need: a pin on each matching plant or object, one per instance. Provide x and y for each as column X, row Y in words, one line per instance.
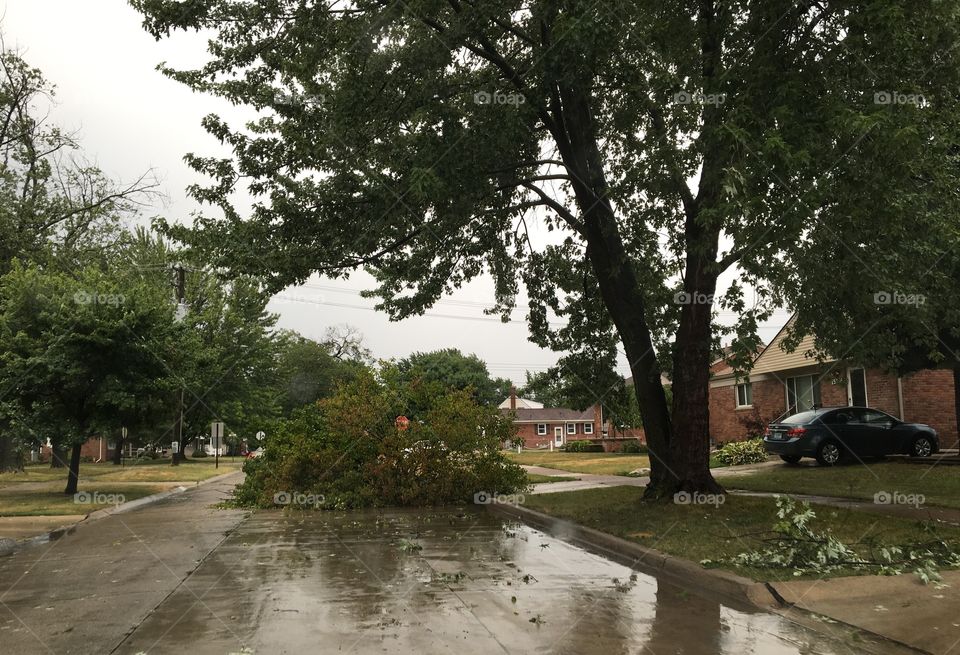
column 181, row 290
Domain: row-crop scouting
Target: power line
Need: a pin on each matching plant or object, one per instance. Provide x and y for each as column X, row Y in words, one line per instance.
column 487, row 305
column 485, row 319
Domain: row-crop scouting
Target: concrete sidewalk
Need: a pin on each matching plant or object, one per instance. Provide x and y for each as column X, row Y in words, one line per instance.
column 81, row 593
column 899, row 607
column 594, row 481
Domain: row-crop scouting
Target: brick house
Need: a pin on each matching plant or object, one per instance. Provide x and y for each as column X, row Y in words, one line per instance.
column 787, row 382
column 553, row 427
column 96, row 449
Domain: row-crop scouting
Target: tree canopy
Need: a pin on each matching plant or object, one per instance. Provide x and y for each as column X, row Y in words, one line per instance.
column 664, row 143
column 451, row 370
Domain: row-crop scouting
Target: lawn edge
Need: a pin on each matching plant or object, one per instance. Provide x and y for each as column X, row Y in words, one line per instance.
column 724, row 583
column 9, row 547
column 683, row 572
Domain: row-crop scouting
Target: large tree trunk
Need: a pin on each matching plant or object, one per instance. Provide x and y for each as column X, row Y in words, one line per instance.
column 58, row 458
column 690, row 446
column 73, row 475
column 617, row 280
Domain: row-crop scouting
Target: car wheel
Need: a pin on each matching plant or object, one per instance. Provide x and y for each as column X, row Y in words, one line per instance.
column 922, row 446
column 829, row 453
column 790, row 459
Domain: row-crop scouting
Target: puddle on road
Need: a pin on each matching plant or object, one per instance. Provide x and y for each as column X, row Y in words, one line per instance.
column 429, row 581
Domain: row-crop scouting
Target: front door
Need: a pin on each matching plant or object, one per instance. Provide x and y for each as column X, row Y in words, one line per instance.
column 856, row 387
column 558, row 436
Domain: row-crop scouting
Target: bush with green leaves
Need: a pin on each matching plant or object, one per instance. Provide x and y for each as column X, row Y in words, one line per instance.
column 751, row 451
column 583, row 446
column 347, row 451
column 633, row 447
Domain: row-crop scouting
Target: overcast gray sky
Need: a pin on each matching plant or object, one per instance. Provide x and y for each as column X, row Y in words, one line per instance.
column 132, row 118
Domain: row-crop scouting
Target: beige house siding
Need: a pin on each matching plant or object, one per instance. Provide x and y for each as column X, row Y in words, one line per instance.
column 774, row 359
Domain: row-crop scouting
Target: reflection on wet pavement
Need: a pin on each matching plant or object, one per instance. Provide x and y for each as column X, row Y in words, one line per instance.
column 431, row 581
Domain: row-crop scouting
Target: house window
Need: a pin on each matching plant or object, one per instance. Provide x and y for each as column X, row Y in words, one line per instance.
column 803, row 393
column 857, row 387
column 588, row 428
column 541, row 429
column 745, row 395
column 571, row 428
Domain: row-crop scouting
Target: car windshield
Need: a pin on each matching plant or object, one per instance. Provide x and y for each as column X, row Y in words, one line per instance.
column 799, row 419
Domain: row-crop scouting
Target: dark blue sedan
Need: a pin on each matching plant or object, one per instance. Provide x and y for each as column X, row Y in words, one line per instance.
column 830, row 433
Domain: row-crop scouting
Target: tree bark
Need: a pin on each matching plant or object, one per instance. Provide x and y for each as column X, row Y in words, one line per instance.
column 57, row 457
column 118, row 452
column 690, row 446
column 73, row 474
column 616, row 278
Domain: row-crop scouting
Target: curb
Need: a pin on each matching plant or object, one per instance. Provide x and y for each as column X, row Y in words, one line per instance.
column 8, row 548
column 685, row 573
column 722, row 583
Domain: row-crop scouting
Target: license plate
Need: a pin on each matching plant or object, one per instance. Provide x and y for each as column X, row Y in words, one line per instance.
column 778, row 435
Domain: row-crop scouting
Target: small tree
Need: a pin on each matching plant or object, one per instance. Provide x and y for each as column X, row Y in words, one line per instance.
column 451, row 370
column 79, row 352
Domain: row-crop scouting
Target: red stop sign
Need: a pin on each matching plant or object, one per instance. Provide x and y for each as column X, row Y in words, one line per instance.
column 403, row 422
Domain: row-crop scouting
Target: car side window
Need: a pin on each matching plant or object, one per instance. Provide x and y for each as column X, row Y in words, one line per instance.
column 876, row 419
column 838, row 418
column 857, row 416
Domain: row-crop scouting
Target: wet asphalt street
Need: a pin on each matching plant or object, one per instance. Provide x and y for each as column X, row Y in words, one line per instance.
column 181, row 577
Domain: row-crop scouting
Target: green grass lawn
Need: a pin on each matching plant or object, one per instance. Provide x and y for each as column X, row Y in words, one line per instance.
column 158, row 470
column 536, row 478
column 698, row 532
column 940, row 485
column 599, row 463
column 51, row 503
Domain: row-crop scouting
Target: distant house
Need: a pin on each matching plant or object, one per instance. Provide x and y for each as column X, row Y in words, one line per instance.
column 546, row 427
column 788, row 382
column 94, row 449
column 521, row 403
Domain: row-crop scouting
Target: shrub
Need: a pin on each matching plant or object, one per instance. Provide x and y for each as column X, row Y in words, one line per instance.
column 346, row 451
column 754, row 424
column 199, row 453
column 633, row 447
column 583, row 446
column 750, row 451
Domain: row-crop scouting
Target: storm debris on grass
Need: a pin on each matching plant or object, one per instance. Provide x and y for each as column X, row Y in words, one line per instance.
column 795, row 546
